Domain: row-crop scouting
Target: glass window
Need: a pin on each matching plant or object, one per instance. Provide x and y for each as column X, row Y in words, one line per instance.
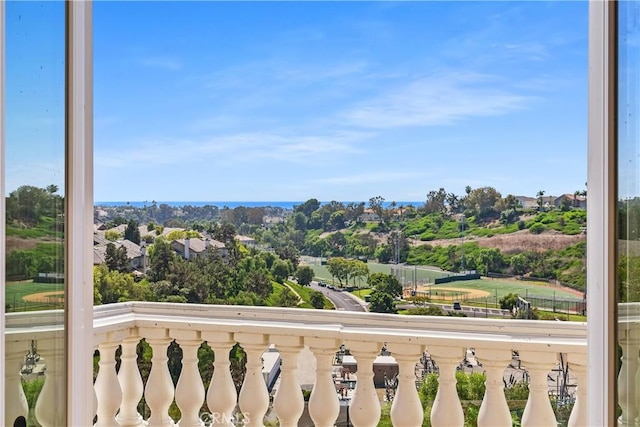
column 35, row 213
column 628, row 129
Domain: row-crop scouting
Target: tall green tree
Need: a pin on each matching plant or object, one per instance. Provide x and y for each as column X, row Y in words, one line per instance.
column 116, row 258
column 304, row 274
column 386, row 283
column 132, row 232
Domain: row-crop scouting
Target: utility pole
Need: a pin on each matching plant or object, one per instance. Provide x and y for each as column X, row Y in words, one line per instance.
column 462, row 239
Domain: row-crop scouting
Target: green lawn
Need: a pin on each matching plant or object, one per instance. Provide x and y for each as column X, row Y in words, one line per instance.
column 502, row 288
column 272, row 301
column 361, row 293
column 16, row 290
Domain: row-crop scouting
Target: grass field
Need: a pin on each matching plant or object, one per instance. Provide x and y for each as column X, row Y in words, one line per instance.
column 502, row 288
column 16, row 290
column 420, row 274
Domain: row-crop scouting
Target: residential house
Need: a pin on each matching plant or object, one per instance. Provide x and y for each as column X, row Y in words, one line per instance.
column 136, row 253
column 192, row 247
column 368, row 215
column 527, row 202
column 572, row 200
column 249, row 242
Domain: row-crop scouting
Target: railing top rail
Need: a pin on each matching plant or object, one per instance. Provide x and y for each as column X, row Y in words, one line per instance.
column 349, row 325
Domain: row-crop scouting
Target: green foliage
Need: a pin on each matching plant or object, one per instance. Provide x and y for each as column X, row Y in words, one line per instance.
column 304, row 274
column 431, row 310
column 344, row 269
column 116, row 258
column 537, row 228
column 114, row 286
column 386, row 283
column 317, row 300
column 132, row 232
column 280, row 270
column 112, row 235
column 508, row 302
column 381, row 302
column 287, row 298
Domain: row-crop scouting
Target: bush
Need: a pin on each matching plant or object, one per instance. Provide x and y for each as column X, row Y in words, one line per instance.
column 537, row 228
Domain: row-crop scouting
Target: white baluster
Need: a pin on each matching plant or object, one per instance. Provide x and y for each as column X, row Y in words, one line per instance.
column 578, row 365
column 288, row 402
column 50, row 406
column 254, row 397
column 159, row 391
column 627, row 390
column 447, row 410
column 406, row 410
column 324, row 406
column 494, row 411
column 130, row 383
column 16, row 402
column 189, row 389
column 538, row 411
column 107, row 387
column 222, row 395
column 364, row 410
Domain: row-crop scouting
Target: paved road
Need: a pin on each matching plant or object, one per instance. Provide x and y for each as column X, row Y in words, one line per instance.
column 342, row 300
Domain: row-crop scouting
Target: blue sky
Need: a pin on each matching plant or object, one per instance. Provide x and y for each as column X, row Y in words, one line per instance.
column 337, row 100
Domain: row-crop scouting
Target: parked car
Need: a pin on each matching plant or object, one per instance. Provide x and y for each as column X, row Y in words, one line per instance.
column 456, row 306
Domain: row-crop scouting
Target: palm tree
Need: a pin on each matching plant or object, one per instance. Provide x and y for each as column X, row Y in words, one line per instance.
column 539, row 195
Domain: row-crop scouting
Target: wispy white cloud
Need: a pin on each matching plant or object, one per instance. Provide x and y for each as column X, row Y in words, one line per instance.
column 239, row 148
column 161, row 62
column 440, row 99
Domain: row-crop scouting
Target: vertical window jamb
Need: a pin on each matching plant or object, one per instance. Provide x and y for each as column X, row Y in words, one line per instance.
column 601, row 228
column 79, row 213
column 2, row 208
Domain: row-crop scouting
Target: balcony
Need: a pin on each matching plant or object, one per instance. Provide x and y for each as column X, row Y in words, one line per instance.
column 446, row 339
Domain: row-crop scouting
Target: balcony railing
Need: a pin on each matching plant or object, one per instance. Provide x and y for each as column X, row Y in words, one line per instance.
column 446, row 339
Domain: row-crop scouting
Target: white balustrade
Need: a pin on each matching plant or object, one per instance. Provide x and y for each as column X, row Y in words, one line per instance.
column 288, row 401
column 365, row 406
column 324, row 406
column 406, row 410
column 189, row 389
column 255, row 328
column 130, row 382
column 578, row 364
column 107, row 387
column 50, row 406
column 159, row 391
column 16, row 403
column 254, row 397
column 447, row 410
column 629, row 341
column 222, row 395
column 494, row 410
column 538, row 411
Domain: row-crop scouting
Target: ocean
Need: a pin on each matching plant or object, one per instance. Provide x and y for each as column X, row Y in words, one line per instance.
column 232, row 205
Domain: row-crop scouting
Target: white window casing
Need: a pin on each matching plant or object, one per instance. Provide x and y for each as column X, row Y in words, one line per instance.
column 601, row 224
column 79, row 213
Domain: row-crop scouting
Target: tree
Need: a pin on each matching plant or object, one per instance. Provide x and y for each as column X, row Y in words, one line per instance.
column 132, row 232
column 287, row 298
column 381, row 302
column 280, row 270
column 259, row 283
column 375, row 204
column 304, row 274
column 483, row 202
column 386, row 283
column 116, row 258
column 317, row 299
column 436, row 201
column 160, row 258
column 509, row 301
column 539, row 195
